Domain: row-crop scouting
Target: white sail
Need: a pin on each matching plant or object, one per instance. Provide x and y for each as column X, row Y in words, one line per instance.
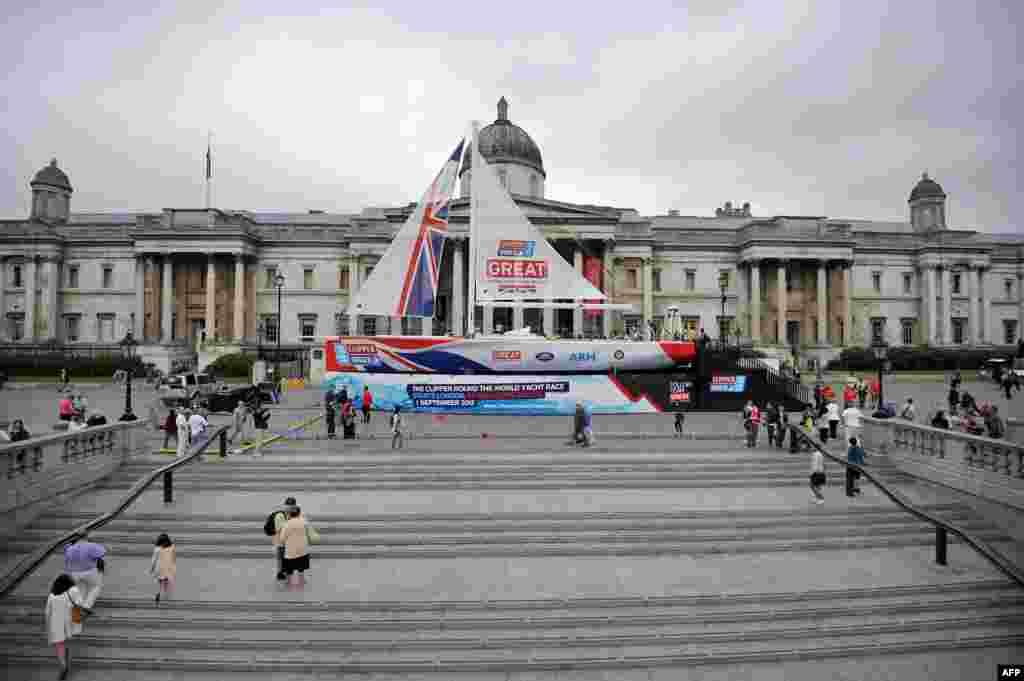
column 404, row 282
column 514, row 261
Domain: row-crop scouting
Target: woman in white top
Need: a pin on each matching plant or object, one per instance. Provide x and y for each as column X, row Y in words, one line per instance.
column 183, row 432
column 63, row 598
column 817, row 476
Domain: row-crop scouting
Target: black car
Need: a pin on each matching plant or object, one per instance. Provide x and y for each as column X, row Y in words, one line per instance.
column 227, row 401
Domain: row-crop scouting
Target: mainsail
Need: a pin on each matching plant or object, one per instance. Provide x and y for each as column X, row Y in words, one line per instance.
column 404, row 282
column 514, row 261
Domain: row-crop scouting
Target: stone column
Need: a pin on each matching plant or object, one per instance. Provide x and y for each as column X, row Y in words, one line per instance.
column 985, row 312
column 847, row 303
column 974, row 324
column 1020, row 306
column 517, row 317
column 947, row 308
column 577, row 314
column 51, row 297
column 742, row 300
column 606, row 278
column 239, row 321
column 458, row 292
column 30, row 300
column 781, row 302
column 211, row 300
column 822, row 304
column 648, row 305
column 488, row 327
column 755, row 301
column 354, row 282
column 140, row 299
column 167, row 300
column 549, row 321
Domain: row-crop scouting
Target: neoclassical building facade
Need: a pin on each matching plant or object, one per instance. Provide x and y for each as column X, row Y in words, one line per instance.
column 181, row 277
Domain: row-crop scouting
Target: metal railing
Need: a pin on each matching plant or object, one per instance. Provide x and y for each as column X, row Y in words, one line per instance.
column 788, row 385
column 31, row 563
column 942, row 528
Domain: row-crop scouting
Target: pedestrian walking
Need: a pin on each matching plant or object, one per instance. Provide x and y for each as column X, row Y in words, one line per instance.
column 276, row 521
column 780, row 437
column 65, row 378
column 680, row 417
column 823, row 427
column 862, row 394
column 65, row 408
column 330, row 414
column 817, row 476
column 953, row 399
column 170, row 428
column 184, row 432
column 849, row 395
column 293, row 538
column 238, row 422
column 84, row 563
column 752, row 423
column 851, row 418
column 348, row 419
column 994, row 424
column 909, row 411
column 854, row 456
column 956, row 380
column 577, row 425
column 876, row 393
column 397, row 438
column 63, row 616
column 18, row 432
column 197, row 425
column 940, row 420
column 833, row 418
column 588, row 425
column 164, row 566
column 367, row 403
column 1008, row 383
column 771, row 415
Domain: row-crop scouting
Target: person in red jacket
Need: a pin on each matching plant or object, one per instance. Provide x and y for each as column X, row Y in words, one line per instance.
column 849, row 396
column 367, row 403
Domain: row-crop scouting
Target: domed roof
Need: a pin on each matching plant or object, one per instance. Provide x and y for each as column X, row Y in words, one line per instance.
column 926, row 188
column 504, row 142
column 52, row 176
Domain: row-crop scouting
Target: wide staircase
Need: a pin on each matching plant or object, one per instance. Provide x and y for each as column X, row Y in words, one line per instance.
column 520, row 558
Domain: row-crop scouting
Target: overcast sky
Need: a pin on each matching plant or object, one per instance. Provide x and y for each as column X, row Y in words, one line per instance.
column 809, row 108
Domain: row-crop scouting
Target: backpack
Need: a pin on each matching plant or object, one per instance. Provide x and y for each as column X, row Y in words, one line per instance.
column 270, row 527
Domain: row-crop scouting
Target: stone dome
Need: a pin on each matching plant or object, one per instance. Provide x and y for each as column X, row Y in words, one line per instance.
column 504, row 142
column 926, row 188
column 52, row 176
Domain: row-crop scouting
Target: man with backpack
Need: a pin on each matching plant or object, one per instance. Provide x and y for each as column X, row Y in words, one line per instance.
column 773, row 419
column 277, row 519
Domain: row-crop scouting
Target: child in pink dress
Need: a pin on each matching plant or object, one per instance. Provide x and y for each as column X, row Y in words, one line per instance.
column 164, row 566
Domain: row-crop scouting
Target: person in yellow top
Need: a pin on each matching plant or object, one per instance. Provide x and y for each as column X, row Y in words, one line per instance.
column 164, row 565
column 296, row 547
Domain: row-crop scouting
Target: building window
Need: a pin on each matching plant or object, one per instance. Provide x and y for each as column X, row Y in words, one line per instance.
column 412, row 326
column 631, row 279
column 907, row 283
column 270, row 328
column 71, row 326
column 105, row 328
column 956, row 284
column 691, row 280
column 269, row 274
column 18, row 283
column 958, row 331
column 343, row 278
column 633, row 324
column 876, row 281
column 1009, row 331
column 369, row 326
column 341, row 324
column 73, row 276
column 724, row 276
column 307, row 327
column 789, row 279
column 16, row 326
column 1008, row 288
column 656, row 280
column 878, row 330
column 108, row 276
column 724, row 327
column 908, row 331
column 307, row 279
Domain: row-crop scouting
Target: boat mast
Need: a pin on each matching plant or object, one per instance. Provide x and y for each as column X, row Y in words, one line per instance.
column 471, row 308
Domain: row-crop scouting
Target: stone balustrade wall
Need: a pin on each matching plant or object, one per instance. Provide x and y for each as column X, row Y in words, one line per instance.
column 44, row 473
column 991, row 469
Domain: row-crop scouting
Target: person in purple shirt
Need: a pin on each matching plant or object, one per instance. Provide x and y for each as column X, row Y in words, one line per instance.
column 83, row 561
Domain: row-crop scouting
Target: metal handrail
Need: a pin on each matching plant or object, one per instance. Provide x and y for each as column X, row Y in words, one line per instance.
column 30, row 563
column 941, row 526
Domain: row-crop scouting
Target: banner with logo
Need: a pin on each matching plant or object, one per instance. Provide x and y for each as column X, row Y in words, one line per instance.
column 625, row 393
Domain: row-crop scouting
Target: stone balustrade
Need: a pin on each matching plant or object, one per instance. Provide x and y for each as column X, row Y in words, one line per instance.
column 991, row 469
column 44, row 472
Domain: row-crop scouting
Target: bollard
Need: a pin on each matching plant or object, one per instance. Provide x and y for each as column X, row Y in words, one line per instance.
column 168, row 487
column 223, row 443
column 940, row 545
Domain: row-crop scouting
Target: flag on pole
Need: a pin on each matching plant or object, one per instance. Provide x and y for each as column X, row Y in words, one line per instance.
column 209, row 162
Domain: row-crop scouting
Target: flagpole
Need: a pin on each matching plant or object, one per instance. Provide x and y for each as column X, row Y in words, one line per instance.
column 471, row 311
column 209, row 168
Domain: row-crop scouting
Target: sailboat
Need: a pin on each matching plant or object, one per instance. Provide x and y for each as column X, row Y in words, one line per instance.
column 511, row 264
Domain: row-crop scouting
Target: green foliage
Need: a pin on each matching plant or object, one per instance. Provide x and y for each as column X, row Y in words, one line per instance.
column 235, row 365
column 917, row 359
column 49, row 364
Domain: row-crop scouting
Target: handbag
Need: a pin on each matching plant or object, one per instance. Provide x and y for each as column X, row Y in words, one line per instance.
column 76, row 611
column 312, row 536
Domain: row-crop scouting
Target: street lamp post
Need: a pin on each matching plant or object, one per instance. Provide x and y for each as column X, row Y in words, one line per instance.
column 881, row 349
column 723, row 284
column 128, row 345
column 279, row 285
column 261, row 329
